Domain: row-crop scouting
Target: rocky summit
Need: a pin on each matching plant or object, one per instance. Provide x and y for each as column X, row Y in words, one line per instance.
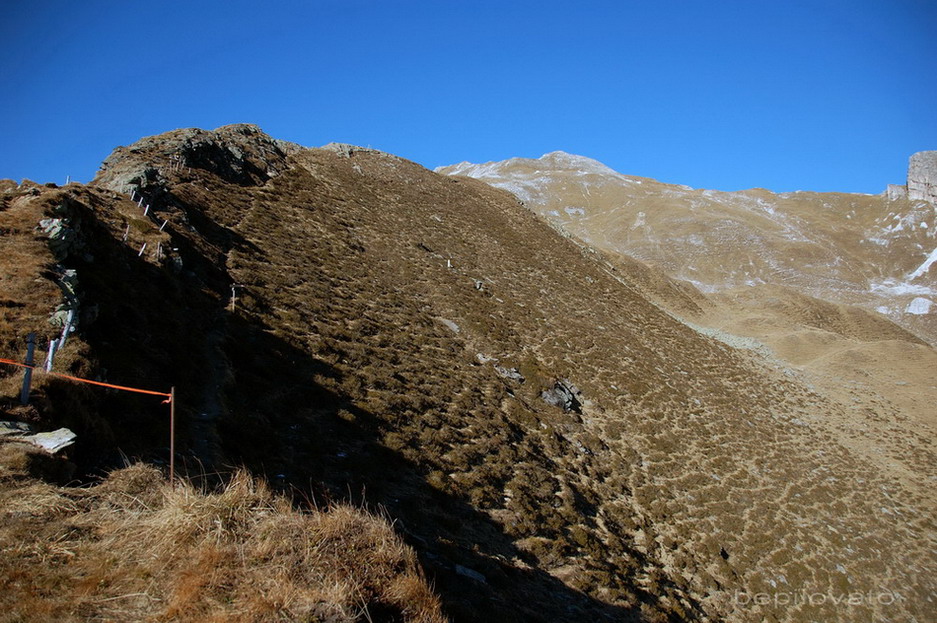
column 556, row 428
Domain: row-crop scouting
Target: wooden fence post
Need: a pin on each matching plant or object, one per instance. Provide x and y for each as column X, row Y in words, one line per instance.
column 28, row 374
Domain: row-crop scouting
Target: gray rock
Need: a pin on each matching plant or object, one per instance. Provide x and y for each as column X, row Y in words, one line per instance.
column 14, row 429
column 922, row 176
column 893, row 192
column 471, row 574
column 452, row 326
column 346, row 149
column 52, row 442
column 512, row 374
column 62, row 237
column 564, row 395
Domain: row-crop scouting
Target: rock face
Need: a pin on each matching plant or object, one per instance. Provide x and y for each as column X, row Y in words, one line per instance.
column 893, row 192
column 922, row 176
column 240, row 154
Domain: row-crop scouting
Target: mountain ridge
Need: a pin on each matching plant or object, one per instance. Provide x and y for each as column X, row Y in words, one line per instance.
column 855, row 249
column 347, row 318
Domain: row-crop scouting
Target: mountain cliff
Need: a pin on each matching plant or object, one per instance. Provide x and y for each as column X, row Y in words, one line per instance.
column 552, row 439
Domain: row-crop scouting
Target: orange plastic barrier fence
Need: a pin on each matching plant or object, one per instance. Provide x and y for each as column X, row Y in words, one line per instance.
column 166, row 395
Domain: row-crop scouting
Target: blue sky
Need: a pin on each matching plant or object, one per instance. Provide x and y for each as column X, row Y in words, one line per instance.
column 823, row 95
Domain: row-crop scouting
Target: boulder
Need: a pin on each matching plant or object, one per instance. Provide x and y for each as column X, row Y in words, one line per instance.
column 52, row 442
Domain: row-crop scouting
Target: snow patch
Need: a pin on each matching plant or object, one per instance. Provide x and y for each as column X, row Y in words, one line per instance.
column 892, row 287
column 575, row 211
column 919, row 306
column 923, row 268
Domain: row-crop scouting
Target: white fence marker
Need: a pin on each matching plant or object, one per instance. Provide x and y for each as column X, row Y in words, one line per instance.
column 67, row 328
column 50, row 355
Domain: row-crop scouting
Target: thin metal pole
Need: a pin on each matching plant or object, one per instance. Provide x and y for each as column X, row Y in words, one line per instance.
column 50, row 354
column 172, row 435
column 28, row 374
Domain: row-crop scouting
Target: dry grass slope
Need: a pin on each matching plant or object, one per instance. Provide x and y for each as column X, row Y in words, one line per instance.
column 135, row 549
column 373, row 297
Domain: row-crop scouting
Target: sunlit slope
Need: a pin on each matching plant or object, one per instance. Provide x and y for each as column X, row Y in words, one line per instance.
column 857, row 249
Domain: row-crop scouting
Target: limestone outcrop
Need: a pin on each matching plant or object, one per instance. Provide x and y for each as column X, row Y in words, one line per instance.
column 922, row 176
column 893, row 192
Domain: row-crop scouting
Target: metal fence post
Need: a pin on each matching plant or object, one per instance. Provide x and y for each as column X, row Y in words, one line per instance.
column 172, row 435
column 28, row 374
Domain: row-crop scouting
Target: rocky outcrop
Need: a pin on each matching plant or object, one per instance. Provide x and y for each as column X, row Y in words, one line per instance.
column 564, row 395
column 511, row 374
column 241, row 154
column 922, row 176
column 347, row 149
column 894, row 192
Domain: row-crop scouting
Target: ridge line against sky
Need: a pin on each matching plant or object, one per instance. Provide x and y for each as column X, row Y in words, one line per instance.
column 829, row 95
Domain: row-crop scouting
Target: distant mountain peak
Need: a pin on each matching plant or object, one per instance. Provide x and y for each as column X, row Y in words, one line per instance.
column 555, row 161
column 562, row 159
column 836, row 246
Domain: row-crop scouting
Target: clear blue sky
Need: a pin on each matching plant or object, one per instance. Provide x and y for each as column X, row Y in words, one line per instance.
column 786, row 95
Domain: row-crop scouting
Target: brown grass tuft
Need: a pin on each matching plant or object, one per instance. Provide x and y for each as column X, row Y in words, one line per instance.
column 135, row 549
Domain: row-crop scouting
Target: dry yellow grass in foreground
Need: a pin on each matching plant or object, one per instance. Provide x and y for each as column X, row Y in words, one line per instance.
column 135, row 549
